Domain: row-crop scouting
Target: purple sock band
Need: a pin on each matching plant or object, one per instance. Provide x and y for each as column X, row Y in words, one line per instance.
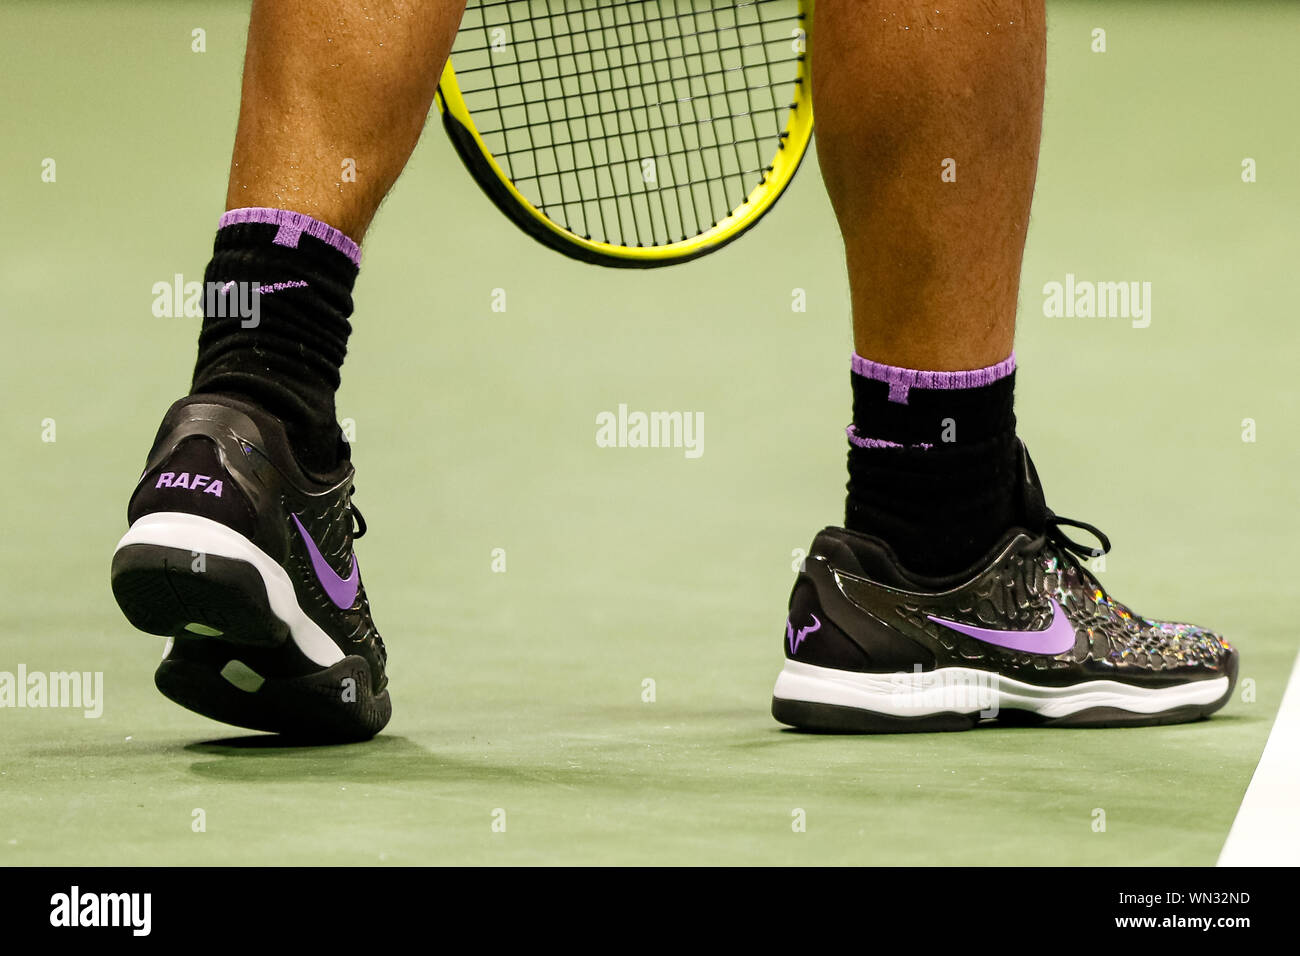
column 292, row 226
column 901, row 380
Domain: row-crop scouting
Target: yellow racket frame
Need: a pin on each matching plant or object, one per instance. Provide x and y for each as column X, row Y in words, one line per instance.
column 483, row 166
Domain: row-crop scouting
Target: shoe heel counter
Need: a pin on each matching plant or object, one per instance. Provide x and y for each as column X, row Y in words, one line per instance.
column 193, row 479
column 811, row 637
column 826, row 629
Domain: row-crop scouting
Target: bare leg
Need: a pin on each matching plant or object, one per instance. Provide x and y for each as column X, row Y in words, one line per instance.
column 332, row 80
column 900, row 87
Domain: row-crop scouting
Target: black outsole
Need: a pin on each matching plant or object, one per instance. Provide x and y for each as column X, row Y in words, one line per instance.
column 334, row 704
column 162, row 591
column 835, row 719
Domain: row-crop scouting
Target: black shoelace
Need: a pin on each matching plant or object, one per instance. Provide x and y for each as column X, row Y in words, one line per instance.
column 357, row 532
column 360, row 529
column 1056, row 522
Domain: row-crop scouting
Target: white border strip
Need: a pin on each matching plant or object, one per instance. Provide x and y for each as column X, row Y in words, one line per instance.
column 1267, row 829
column 966, row 690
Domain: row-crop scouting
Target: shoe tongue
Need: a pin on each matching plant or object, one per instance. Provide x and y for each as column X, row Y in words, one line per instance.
column 1033, row 505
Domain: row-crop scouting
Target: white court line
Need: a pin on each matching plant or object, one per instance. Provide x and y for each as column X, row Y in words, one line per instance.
column 1267, row 829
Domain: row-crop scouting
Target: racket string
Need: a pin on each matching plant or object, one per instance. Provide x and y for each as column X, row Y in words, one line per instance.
column 626, row 134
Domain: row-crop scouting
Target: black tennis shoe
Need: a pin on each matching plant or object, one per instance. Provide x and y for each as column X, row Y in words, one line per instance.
column 245, row 562
column 1028, row 635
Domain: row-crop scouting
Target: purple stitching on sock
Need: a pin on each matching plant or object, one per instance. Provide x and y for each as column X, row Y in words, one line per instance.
column 277, row 286
column 901, row 380
column 862, row 442
column 292, row 226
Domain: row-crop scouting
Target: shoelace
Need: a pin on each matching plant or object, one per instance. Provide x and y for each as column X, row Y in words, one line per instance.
column 360, row 529
column 1054, row 524
column 358, row 532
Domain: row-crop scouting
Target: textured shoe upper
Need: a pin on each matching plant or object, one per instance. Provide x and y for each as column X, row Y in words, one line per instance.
column 1030, row 608
column 1006, row 618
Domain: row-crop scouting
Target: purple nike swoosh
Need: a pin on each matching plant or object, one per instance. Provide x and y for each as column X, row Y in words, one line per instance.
column 1056, row 638
column 342, row 591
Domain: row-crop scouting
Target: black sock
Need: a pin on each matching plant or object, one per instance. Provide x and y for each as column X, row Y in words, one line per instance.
column 932, row 462
column 280, row 347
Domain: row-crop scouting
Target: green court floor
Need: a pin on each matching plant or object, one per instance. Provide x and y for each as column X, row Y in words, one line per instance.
column 523, row 691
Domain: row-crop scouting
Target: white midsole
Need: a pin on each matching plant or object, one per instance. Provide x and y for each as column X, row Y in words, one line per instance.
column 174, row 529
column 965, row 690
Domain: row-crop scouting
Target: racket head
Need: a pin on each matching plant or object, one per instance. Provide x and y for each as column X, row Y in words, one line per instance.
column 781, row 153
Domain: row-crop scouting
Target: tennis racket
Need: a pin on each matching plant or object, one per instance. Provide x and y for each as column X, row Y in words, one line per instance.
column 632, row 133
